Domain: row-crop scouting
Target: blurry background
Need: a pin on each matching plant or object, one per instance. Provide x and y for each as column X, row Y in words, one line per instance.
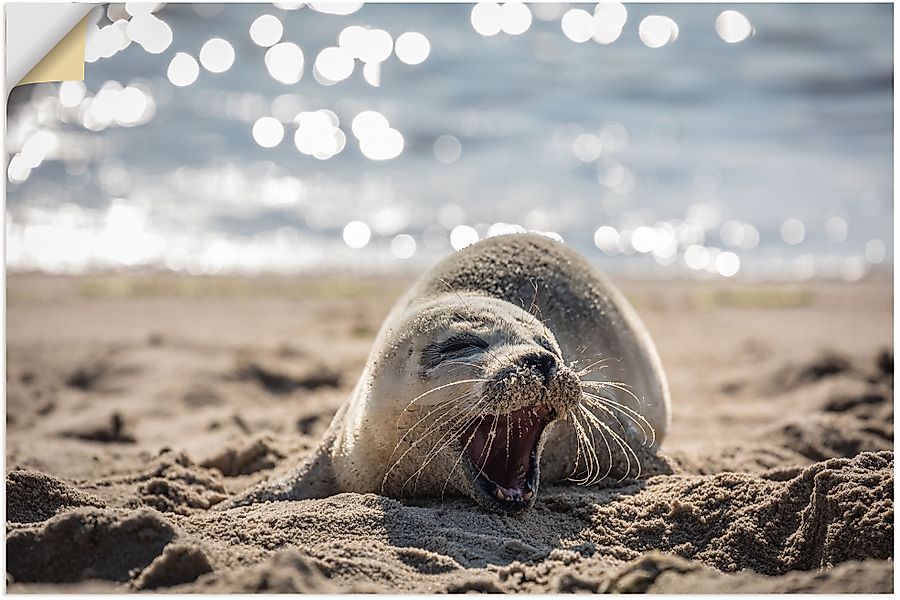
column 659, row 140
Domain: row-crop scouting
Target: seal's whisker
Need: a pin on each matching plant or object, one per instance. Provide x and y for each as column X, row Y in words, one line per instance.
column 445, row 411
column 451, row 425
column 620, row 442
column 590, row 369
column 441, row 387
column 592, row 474
column 462, row 453
column 618, row 385
column 580, row 436
column 446, row 408
column 594, row 403
column 453, row 431
column 601, row 427
column 590, row 454
column 456, row 427
column 638, row 419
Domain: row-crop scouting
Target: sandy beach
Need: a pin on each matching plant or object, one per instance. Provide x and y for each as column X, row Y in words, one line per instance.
column 135, row 404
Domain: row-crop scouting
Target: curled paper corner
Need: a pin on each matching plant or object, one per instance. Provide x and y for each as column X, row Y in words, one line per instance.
column 45, row 42
column 65, row 62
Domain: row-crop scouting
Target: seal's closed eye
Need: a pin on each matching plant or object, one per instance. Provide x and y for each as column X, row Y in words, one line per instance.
column 457, row 346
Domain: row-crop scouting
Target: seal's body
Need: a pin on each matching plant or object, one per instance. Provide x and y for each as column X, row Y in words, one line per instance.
column 511, row 362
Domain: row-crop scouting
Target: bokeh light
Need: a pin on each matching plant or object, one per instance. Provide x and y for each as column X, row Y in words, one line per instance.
column 606, row 238
column 733, row 27
column 318, row 134
column 376, row 46
column 285, row 62
column 793, row 231
column 609, row 20
column 836, row 229
column 357, row 234
column 372, row 74
column 183, row 70
column 151, row 32
column 875, row 251
column 217, row 55
column 71, row 93
column 487, row 18
column 377, row 140
column 728, row 264
column 657, row 31
column 268, row 132
column 336, row 8
column 334, row 64
column 587, row 147
column 403, row 246
column 412, row 48
column 462, row 236
column 578, row 25
column 447, row 149
column 266, row 31
column 515, row 18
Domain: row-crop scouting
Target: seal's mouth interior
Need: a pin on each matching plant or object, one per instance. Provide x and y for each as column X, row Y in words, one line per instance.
column 503, row 452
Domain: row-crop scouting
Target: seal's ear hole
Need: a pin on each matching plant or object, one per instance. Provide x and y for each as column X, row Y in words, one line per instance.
column 410, row 353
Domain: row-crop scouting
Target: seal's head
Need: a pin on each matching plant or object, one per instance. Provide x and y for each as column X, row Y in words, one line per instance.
column 472, row 383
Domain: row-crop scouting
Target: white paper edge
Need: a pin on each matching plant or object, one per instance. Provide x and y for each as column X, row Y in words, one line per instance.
column 32, row 30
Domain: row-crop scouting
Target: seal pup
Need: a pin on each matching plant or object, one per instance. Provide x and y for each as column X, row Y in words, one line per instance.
column 510, row 362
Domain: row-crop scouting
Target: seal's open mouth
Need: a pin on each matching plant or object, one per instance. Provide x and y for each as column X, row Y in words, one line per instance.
column 503, row 452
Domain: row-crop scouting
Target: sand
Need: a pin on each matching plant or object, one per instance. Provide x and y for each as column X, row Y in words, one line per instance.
column 137, row 404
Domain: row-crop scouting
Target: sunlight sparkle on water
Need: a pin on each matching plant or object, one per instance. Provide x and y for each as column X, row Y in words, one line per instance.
column 412, row 48
column 587, row 147
column 403, row 246
column 447, row 149
column 336, row 8
column 462, row 236
column 152, row 33
column 578, row 25
column 609, row 20
column 728, row 264
column 377, row 45
column 334, row 64
column 372, row 74
column 285, row 62
column 356, row 234
column 733, row 27
column 353, row 40
column 183, row 70
column 875, row 251
column 268, row 132
column 515, row 18
column 377, row 140
column 503, row 229
column 266, row 31
column 487, row 18
column 836, row 229
column 217, row 55
column 71, row 93
column 606, row 238
column 657, row 31
column 318, row 134
column 793, row 231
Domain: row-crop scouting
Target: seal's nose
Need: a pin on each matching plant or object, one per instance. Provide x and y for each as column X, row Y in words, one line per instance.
column 543, row 364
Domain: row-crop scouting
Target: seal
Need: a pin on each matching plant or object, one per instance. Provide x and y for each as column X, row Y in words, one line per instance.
column 510, row 363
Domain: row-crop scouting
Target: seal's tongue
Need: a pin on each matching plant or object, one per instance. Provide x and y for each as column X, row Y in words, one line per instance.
column 500, row 447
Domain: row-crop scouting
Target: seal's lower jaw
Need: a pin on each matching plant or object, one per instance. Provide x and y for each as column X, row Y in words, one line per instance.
column 502, row 452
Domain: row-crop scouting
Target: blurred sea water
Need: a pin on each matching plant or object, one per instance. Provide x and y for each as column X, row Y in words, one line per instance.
column 770, row 158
